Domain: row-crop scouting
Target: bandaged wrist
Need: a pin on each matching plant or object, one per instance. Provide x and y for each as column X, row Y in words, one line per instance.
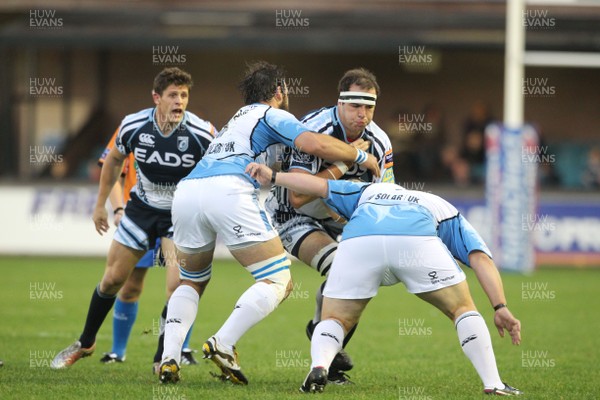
column 341, row 166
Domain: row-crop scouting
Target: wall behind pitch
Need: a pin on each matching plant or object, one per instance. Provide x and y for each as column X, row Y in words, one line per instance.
column 56, row 220
column 462, row 78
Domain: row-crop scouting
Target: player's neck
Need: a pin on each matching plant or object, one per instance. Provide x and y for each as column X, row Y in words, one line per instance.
column 351, row 136
column 272, row 102
column 166, row 127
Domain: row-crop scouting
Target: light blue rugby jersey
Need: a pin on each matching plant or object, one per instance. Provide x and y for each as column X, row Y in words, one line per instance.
column 244, row 138
column 388, row 209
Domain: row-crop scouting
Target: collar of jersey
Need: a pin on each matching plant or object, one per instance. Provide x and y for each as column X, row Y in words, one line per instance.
column 174, row 129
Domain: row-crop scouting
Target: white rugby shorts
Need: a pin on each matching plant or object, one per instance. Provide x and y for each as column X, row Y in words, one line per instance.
column 227, row 205
column 422, row 263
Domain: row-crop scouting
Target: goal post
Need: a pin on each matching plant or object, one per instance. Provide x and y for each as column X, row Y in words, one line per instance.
column 511, row 176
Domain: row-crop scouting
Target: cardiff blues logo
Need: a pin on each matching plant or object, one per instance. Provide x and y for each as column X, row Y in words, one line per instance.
column 183, row 143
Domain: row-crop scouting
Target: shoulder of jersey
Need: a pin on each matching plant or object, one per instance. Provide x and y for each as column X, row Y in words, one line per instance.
column 379, row 133
column 318, row 120
column 142, row 115
column 134, row 121
column 200, row 127
column 439, row 202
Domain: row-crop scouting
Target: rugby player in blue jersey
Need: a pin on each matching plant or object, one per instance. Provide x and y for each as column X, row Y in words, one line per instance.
column 307, row 228
column 397, row 235
column 167, row 142
column 218, row 197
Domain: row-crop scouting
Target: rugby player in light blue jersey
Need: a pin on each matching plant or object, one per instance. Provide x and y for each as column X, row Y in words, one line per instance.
column 218, row 197
column 308, row 229
column 397, row 235
column 167, row 142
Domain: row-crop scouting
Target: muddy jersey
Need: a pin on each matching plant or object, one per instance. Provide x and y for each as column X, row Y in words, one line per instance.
column 161, row 161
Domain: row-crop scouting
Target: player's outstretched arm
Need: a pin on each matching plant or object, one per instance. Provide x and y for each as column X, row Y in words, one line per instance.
column 111, row 170
column 334, row 171
column 332, row 149
column 489, row 279
column 303, row 183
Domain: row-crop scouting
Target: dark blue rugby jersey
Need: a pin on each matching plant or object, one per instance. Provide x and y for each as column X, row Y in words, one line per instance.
column 162, row 161
column 326, row 121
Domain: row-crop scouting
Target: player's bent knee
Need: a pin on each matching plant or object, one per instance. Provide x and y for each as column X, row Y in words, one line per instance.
column 275, row 270
column 281, row 281
column 129, row 295
column 111, row 283
column 324, row 258
column 131, row 290
column 288, row 289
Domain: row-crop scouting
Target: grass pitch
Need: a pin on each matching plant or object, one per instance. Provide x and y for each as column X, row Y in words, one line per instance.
column 403, row 348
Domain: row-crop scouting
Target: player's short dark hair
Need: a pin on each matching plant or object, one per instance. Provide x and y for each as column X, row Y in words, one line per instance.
column 260, row 81
column 361, row 77
column 172, row 76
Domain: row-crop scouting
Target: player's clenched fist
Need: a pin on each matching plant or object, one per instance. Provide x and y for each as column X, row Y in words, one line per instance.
column 372, row 165
column 361, row 144
column 260, row 172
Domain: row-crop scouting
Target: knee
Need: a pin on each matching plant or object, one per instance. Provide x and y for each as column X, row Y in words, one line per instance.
column 345, row 323
column 460, row 310
column 288, row 288
column 282, row 283
column 324, row 258
column 109, row 287
column 111, row 284
column 130, row 294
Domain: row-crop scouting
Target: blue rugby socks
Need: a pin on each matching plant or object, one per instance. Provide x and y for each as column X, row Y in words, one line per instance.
column 124, row 316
